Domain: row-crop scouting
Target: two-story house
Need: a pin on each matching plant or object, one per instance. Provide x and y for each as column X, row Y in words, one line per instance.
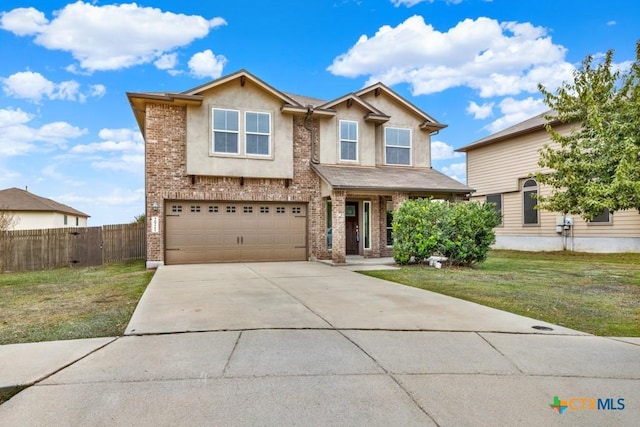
column 237, row 170
column 500, row 168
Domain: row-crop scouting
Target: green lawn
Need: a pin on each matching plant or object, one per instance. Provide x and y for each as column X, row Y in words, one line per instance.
column 70, row 303
column 594, row 293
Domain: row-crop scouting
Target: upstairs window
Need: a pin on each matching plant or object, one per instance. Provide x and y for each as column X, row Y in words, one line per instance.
column 225, row 131
column 397, row 146
column 348, row 140
column 258, row 133
column 529, row 194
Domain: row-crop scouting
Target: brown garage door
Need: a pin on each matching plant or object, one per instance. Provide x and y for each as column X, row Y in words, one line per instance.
column 200, row 232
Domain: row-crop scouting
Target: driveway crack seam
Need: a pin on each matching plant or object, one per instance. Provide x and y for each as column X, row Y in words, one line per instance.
column 292, row 296
column 233, row 350
column 500, row 353
column 393, row 377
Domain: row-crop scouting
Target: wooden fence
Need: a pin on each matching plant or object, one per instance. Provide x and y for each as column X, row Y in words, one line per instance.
column 26, row 250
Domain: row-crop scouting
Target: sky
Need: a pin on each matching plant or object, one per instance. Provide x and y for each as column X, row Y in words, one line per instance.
column 67, row 131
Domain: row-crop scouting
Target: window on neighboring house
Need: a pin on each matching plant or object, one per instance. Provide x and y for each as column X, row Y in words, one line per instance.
column 496, row 199
column 65, row 220
column 258, row 133
column 397, row 145
column 348, row 140
column 225, row 131
column 77, row 221
column 529, row 193
column 603, row 218
column 389, row 222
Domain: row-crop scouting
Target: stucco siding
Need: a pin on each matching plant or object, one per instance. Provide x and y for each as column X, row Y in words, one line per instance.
column 330, row 137
column 401, row 117
column 200, row 158
column 41, row 220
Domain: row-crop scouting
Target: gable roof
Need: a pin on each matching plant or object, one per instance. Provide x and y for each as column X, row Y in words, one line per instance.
column 533, row 124
column 15, row 199
column 389, row 178
column 428, row 121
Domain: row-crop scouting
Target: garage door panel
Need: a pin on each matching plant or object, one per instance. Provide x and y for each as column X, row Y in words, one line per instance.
column 199, row 232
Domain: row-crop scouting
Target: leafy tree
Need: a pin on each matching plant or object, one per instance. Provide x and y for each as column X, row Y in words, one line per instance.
column 139, row 219
column 597, row 165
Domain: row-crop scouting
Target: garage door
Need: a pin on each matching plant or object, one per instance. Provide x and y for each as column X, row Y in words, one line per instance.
column 200, row 232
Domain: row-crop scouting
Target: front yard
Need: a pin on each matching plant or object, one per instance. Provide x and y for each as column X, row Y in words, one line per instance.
column 69, row 303
column 594, row 293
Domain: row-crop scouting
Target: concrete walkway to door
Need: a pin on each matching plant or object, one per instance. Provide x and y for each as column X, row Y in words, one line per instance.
column 310, row 344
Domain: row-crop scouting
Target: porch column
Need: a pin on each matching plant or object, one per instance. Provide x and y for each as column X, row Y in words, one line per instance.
column 398, row 199
column 375, row 227
column 338, row 248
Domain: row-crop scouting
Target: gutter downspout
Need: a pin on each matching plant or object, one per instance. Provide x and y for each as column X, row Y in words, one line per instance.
column 312, row 131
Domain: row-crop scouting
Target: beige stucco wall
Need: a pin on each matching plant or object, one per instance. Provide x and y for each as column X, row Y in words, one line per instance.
column 401, row 117
column 330, row 136
column 39, row 220
column 200, row 158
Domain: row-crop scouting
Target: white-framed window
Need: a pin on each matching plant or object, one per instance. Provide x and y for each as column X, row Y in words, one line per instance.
column 496, row 199
column 604, row 218
column 397, row 146
column 529, row 202
column 257, row 133
column 348, row 140
column 226, row 128
column 329, row 226
column 389, row 227
column 366, row 223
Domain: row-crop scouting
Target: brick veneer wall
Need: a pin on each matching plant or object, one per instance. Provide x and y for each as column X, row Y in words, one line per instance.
column 166, row 178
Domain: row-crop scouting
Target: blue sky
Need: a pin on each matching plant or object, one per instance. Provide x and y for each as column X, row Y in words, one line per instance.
column 68, row 133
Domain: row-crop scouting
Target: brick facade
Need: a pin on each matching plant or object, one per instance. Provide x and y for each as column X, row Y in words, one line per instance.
column 166, row 179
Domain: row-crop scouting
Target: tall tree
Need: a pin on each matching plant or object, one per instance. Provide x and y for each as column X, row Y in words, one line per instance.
column 596, row 166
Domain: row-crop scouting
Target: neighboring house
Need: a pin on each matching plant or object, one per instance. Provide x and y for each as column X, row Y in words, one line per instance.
column 237, row 170
column 34, row 212
column 499, row 168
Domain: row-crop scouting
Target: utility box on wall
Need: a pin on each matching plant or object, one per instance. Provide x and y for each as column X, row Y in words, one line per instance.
column 563, row 223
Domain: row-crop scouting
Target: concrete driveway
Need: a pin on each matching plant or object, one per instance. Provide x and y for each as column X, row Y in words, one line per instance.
column 310, row 344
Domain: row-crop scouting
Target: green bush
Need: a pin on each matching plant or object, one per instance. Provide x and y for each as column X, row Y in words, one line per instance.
column 461, row 232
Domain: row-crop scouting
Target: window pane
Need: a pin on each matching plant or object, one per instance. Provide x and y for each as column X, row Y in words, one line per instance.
column 603, row 217
column 329, row 229
column 530, row 202
column 398, row 156
column 264, row 125
column 252, row 122
column 219, row 120
column 348, row 150
column 367, row 224
column 398, row 137
column 389, row 222
column 225, row 142
column 404, row 137
column 496, row 199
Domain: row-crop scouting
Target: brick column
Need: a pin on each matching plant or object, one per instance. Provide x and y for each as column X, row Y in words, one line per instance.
column 339, row 248
column 375, row 227
column 398, row 199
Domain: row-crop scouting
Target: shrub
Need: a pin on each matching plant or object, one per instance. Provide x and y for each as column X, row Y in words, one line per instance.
column 462, row 232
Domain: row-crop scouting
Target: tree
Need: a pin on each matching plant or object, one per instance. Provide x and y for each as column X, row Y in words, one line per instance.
column 597, row 165
column 139, row 219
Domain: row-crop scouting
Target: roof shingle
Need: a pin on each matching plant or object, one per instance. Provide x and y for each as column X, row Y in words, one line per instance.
column 15, row 199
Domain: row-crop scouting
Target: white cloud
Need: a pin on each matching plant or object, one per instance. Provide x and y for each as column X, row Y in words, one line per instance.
column 480, row 111
column 515, row 111
column 120, row 150
column 457, row 171
column 166, row 62
column 611, row 23
column 494, row 58
column 34, row 86
column 442, row 151
column 17, row 138
column 117, row 197
column 109, row 37
column 207, row 64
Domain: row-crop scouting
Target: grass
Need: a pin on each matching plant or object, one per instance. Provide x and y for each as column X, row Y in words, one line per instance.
column 70, row 303
column 593, row 293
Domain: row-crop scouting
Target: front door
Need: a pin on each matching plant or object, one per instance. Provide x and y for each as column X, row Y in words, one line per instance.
column 351, row 228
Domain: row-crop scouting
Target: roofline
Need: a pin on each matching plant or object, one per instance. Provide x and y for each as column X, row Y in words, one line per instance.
column 488, row 140
column 239, row 74
column 430, row 122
